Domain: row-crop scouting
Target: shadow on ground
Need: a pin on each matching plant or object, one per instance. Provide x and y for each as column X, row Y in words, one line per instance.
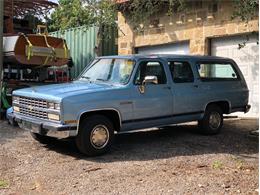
column 172, row 141
column 8, row 132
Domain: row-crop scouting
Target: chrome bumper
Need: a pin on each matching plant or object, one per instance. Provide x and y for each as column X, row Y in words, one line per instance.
column 247, row 108
column 244, row 109
column 42, row 127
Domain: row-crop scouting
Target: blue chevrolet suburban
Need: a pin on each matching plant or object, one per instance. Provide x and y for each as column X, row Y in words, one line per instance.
column 123, row 93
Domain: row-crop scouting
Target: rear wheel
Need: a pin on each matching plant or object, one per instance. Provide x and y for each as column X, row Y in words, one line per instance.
column 95, row 136
column 212, row 121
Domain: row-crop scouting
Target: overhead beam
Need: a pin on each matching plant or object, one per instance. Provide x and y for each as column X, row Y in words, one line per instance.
column 19, row 8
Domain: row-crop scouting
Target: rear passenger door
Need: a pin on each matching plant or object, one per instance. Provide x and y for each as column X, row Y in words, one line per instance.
column 185, row 90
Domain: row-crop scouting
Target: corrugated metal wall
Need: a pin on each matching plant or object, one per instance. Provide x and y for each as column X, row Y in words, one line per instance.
column 81, row 42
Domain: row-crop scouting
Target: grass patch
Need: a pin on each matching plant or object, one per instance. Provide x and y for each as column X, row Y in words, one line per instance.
column 239, row 162
column 217, row 164
column 3, row 184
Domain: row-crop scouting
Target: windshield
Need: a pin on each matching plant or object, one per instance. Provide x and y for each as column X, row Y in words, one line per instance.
column 112, row 70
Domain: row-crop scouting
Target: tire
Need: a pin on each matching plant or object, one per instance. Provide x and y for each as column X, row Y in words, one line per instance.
column 95, row 136
column 12, row 123
column 212, row 121
column 40, row 138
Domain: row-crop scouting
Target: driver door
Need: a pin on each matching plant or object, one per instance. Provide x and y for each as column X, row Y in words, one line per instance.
column 154, row 106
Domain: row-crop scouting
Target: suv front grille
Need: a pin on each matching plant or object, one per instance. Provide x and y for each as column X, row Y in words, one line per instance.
column 33, row 107
column 33, row 102
column 34, row 113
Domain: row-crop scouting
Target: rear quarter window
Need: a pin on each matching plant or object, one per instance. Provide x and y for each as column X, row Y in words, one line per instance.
column 211, row 71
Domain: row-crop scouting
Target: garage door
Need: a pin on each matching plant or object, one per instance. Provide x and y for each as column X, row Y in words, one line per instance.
column 247, row 60
column 176, row 48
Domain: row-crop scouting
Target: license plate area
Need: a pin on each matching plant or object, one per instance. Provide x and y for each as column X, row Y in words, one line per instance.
column 31, row 126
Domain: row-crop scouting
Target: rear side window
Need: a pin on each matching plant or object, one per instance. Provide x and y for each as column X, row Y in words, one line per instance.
column 217, row 71
column 181, row 72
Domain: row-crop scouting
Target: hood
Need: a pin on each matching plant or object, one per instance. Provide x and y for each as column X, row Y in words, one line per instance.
column 59, row 91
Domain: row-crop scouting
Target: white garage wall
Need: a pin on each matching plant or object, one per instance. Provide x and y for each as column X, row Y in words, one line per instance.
column 247, row 59
column 176, row 48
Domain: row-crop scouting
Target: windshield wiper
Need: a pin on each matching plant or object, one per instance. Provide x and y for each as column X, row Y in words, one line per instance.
column 84, row 77
column 101, row 80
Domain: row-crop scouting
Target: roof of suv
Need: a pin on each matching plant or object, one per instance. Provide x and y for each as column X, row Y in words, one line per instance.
column 154, row 56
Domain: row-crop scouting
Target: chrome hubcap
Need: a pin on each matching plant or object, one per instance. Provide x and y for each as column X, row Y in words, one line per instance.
column 99, row 136
column 214, row 120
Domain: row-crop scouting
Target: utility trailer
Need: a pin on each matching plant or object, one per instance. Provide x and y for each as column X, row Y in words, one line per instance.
column 32, row 60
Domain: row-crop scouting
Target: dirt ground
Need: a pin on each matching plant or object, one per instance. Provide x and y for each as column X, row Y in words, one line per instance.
column 174, row 160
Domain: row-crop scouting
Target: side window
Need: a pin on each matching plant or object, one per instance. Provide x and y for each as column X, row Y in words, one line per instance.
column 216, row 71
column 150, row 68
column 181, row 72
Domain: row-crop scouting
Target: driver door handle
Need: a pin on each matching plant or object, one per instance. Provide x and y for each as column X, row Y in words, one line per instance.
column 168, row 87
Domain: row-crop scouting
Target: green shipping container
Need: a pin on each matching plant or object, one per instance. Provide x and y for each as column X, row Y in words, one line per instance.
column 82, row 41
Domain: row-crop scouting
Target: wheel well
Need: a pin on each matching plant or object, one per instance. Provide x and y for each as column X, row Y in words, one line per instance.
column 110, row 114
column 224, row 105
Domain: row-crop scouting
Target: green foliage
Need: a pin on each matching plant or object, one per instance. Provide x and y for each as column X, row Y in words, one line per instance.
column 70, row 14
column 140, row 12
column 239, row 161
column 217, row 164
column 106, row 13
column 74, row 13
column 3, row 184
column 245, row 10
column 33, row 20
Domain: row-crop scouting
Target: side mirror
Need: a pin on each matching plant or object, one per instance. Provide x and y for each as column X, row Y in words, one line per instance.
column 148, row 80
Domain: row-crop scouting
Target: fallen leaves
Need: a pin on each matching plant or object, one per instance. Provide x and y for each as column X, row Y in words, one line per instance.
column 36, row 186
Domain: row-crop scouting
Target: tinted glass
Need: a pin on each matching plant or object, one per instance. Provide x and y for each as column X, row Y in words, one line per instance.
column 216, row 71
column 181, row 72
column 148, row 68
column 109, row 70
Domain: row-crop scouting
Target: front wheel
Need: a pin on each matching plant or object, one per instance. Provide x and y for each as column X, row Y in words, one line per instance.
column 95, row 136
column 212, row 121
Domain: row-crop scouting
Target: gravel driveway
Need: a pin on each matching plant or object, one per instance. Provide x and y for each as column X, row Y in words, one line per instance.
column 174, row 160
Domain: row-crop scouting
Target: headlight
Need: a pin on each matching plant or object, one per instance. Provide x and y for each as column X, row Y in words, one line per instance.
column 51, row 105
column 16, row 109
column 55, row 117
column 55, row 106
column 16, row 99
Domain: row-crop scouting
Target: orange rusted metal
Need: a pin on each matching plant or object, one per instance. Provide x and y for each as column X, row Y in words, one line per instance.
column 35, row 49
